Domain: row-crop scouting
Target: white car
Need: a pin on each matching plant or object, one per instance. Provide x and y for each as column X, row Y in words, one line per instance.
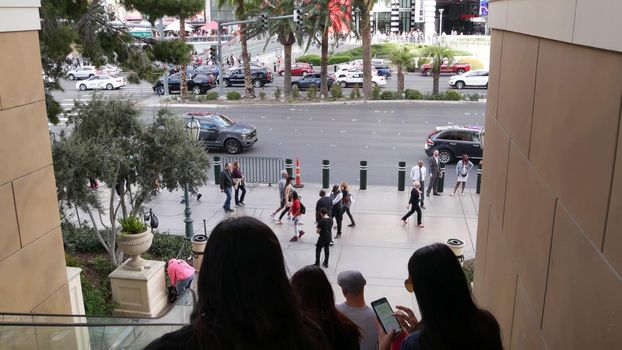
column 473, row 78
column 374, row 62
column 109, row 69
column 357, row 79
column 101, row 82
column 82, row 73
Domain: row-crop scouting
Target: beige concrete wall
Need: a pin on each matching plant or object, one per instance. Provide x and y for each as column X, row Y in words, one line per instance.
column 549, row 249
column 32, row 264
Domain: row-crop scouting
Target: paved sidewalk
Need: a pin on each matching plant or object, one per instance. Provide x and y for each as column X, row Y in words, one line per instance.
column 379, row 245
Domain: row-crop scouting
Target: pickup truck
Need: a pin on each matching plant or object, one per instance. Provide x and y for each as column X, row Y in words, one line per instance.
column 456, row 68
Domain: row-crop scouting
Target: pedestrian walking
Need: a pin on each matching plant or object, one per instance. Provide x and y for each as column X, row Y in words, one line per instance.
column 324, row 202
column 296, row 211
column 324, row 231
column 281, row 185
column 288, row 195
column 226, row 186
column 346, row 200
column 193, row 192
column 239, row 183
column 413, row 204
column 462, row 173
column 337, row 209
column 435, row 172
column 417, row 173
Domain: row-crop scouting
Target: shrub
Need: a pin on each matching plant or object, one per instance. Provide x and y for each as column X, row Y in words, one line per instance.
column 277, row 93
column 233, row 96
column 387, row 95
column 411, row 67
column 375, row 92
column 339, row 58
column 83, row 240
column 355, row 94
column 468, row 267
column 102, row 267
column 132, row 225
column 423, row 60
column 295, row 93
column 474, row 62
column 312, row 93
column 166, row 246
column 336, row 92
column 312, row 59
column 452, row 95
column 97, row 299
column 211, row 96
column 474, row 97
column 262, row 94
column 410, row 94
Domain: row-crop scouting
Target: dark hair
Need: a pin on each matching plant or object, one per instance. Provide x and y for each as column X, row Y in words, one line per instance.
column 295, row 195
column 244, row 298
column 450, row 318
column 322, row 193
column 316, row 299
column 288, row 181
column 335, row 188
column 323, row 211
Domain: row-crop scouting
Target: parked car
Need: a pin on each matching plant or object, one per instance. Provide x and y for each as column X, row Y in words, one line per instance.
column 356, row 79
column 83, row 72
column 218, row 131
column 310, row 80
column 474, row 78
column 456, row 68
column 259, row 77
column 197, row 84
column 374, row 61
column 109, row 69
column 382, row 70
column 101, row 82
column 206, row 70
column 454, row 141
column 299, row 68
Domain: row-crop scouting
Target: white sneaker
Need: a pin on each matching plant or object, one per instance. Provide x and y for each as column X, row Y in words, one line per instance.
column 463, row 194
column 453, row 194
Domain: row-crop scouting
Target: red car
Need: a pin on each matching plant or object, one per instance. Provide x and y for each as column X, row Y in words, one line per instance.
column 299, row 68
column 456, row 68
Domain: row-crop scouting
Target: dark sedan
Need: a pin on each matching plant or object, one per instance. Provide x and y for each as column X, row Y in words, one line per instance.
column 218, row 131
column 310, row 80
column 198, row 84
column 454, row 141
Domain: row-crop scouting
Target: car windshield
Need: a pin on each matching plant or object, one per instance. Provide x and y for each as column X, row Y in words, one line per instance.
column 221, row 120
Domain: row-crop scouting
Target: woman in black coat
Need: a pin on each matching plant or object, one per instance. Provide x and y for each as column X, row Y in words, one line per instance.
column 413, row 204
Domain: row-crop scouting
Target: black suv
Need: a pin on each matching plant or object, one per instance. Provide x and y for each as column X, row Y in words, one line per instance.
column 454, row 141
column 259, row 77
column 198, row 84
column 218, row 131
column 309, row 80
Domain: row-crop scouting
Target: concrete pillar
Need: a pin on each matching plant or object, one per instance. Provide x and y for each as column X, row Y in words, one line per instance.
column 429, row 18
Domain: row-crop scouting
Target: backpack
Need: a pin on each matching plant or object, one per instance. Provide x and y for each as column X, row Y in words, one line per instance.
column 303, row 209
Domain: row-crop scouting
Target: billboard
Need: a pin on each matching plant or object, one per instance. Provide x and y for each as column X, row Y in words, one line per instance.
column 483, row 7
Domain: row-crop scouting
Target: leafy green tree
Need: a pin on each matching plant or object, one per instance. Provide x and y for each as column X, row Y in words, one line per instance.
column 242, row 8
column 154, row 9
column 110, row 144
column 401, row 57
column 437, row 55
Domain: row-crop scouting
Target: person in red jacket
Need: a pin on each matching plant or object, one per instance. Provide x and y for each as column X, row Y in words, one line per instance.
column 295, row 213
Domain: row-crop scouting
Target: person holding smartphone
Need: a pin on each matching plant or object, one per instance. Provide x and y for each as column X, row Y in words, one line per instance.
column 435, row 276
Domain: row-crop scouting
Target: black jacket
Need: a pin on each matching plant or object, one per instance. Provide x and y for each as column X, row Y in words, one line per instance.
column 414, row 197
column 324, row 202
column 225, row 179
column 434, row 168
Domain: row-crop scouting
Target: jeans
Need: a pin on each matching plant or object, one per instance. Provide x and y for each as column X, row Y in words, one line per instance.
column 295, row 221
column 318, row 250
column 182, row 285
column 229, row 194
column 241, row 188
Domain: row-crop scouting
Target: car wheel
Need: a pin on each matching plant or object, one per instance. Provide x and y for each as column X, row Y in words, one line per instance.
column 91, row 75
column 304, row 73
column 427, row 72
column 295, row 86
column 281, row 72
column 72, row 77
column 459, row 84
column 445, row 156
column 159, row 91
column 233, row 146
column 257, row 83
column 460, row 71
column 343, row 84
column 82, row 87
column 196, row 90
column 226, row 82
column 109, row 86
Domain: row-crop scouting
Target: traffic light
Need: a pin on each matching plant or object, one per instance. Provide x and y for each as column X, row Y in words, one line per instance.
column 264, row 22
column 298, row 17
column 213, row 53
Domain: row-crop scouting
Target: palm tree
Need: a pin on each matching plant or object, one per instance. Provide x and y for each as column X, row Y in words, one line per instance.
column 437, row 54
column 364, row 7
column 242, row 7
column 401, row 57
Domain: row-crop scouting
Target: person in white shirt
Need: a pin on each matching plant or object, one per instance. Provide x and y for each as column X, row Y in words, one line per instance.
column 352, row 285
column 417, row 173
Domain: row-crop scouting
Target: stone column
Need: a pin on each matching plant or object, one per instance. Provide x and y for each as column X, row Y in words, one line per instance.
column 429, row 18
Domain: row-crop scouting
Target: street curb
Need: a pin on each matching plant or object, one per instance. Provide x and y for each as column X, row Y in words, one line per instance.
column 326, row 103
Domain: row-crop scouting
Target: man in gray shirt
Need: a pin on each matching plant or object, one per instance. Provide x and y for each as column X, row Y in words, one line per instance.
column 352, row 285
column 282, row 182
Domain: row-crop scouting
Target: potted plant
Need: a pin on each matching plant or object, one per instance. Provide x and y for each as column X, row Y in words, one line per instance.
column 134, row 239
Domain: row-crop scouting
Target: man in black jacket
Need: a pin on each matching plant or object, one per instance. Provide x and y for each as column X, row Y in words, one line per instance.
column 435, row 171
column 226, row 186
column 323, row 202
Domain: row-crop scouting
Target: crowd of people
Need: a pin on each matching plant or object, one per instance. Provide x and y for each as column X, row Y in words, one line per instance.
column 246, row 301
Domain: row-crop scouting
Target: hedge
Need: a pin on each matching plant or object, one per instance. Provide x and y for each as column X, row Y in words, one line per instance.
column 336, row 59
column 474, row 62
column 313, row 59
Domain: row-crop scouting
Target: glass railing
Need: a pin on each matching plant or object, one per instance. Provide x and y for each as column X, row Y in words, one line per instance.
column 54, row 331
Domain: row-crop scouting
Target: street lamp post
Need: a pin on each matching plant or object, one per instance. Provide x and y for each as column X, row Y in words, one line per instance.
column 193, row 128
column 357, row 16
column 440, row 25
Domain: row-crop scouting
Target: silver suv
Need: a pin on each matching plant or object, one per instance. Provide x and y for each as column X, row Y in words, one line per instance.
column 218, row 131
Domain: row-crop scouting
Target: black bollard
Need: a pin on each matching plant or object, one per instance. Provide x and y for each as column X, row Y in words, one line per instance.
column 217, row 170
column 289, row 166
column 479, row 177
column 440, row 182
column 325, row 173
column 401, row 175
column 363, row 175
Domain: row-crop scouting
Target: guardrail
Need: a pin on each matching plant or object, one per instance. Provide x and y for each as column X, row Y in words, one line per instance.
column 266, row 170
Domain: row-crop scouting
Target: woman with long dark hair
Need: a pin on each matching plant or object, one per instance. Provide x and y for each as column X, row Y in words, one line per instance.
column 288, row 195
column 245, row 300
column 316, row 299
column 449, row 317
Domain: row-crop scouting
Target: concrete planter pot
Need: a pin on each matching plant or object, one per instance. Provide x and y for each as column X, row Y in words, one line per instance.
column 133, row 245
column 457, row 246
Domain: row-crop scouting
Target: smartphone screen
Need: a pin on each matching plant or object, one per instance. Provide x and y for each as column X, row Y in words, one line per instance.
column 385, row 315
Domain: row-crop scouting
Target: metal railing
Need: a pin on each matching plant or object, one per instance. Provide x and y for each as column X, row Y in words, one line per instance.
column 264, row 170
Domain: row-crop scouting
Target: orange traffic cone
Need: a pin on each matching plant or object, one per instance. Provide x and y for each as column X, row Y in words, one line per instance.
column 298, row 182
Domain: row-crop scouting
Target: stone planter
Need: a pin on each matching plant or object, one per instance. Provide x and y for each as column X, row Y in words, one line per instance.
column 133, row 245
column 457, row 246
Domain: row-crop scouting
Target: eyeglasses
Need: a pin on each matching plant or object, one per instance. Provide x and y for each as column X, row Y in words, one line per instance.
column 408, row 284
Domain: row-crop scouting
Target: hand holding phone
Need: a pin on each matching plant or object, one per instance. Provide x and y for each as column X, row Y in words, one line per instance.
column 385, row 315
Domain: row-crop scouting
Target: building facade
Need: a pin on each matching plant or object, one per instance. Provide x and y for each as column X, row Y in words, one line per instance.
column 549, row 257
